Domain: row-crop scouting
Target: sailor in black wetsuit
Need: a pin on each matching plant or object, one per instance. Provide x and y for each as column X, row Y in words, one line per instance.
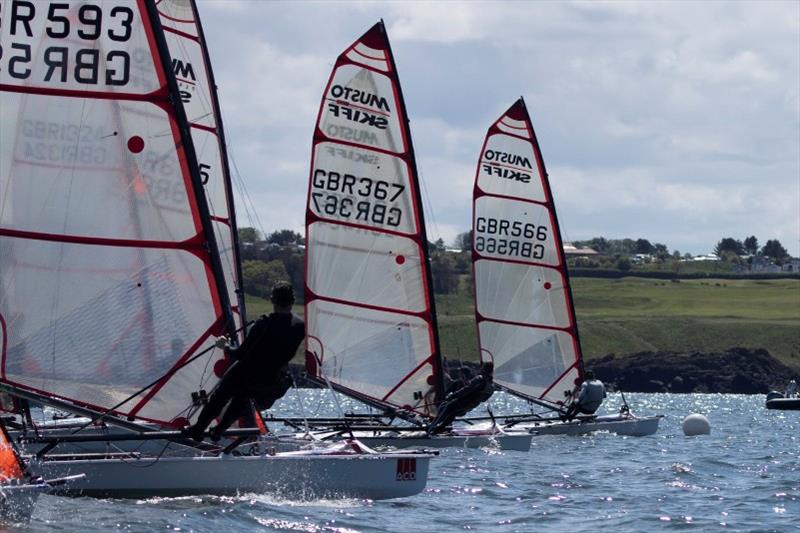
column 260, row 367
column 463, row 400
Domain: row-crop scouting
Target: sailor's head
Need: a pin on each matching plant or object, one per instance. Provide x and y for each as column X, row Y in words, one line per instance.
column 588, row 376
column 282, row 296
column 487, row 368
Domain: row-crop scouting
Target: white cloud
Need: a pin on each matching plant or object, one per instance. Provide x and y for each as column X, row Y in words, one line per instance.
column 677, row 122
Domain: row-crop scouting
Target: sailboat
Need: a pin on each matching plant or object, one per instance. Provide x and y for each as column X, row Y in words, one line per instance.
column 118, row 261
column 369, row 307
column 523, row 301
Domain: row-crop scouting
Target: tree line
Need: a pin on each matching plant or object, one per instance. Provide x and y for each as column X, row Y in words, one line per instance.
column 281, row 256
column 730, row 248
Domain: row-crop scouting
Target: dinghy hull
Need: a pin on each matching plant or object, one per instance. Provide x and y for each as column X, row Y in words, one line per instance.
column 787, row 404
column 293, row 476
column 503, row 441
column 634, row 427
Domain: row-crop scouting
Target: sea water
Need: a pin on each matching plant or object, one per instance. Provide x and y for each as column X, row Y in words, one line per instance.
column 744, row 476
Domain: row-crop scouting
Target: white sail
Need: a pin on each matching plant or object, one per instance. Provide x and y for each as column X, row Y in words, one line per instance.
column 369, row 309
column 109, row 275
column 526, row 322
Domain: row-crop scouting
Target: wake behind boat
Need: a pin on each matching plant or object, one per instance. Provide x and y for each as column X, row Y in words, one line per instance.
column 524, row 310
column 119, row 260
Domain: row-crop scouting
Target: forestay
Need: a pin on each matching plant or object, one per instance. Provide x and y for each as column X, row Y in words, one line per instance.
column 526, row 322
column 369, row 312
column 109, row 270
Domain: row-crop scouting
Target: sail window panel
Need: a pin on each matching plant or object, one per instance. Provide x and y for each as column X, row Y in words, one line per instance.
column 173, row 399
column 209, row 161
column 360, row 107
column 514, row 230
column 528, row 359
column 372, row 352
column 79, row 45
column 521, row 293
column 362, row 187
column 365, row 267
column 416, row 393
column 507, row 167
column 95, row 323
column 75, row 169
column 189, row 68
column 227, row 256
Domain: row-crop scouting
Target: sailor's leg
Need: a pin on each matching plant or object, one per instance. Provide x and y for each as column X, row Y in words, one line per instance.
column 221, row 395
column 238, row 406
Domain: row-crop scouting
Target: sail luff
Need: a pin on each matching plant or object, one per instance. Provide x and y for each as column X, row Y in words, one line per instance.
column 437, row 355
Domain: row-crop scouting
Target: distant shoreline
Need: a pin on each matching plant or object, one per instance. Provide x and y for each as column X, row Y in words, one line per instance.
column 736, row 371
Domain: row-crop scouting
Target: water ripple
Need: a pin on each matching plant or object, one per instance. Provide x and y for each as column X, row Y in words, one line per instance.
column 744, row 476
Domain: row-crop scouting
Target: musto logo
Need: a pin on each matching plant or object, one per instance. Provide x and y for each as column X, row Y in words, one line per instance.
column 509, row 166
column 406, row 470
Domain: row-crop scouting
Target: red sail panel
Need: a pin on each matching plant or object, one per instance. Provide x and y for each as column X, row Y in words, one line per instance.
column 524, row 311
column 371, row 328
column 106, row 281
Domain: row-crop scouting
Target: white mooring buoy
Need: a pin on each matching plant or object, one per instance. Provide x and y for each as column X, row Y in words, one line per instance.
column 696, row 424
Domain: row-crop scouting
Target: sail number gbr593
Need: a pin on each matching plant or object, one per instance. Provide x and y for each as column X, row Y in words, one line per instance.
column 497, row 236
column 79, row 28
column 356, row 199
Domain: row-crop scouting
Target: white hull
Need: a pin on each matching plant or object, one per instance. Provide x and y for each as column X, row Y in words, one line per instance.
column 298, row 475
column 146, row 447
column 621, row 425
column 504, row 441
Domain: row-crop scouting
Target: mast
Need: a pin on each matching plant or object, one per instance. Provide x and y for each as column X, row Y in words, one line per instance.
column 559, row 243
column 194, row 170
column 223, row 146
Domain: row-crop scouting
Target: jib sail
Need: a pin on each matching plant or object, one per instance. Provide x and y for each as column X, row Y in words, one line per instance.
column 369, row 310
column 526, row 322
column 109, row 269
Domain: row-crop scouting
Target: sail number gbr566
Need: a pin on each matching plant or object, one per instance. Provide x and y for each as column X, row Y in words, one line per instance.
column 356, row 199
column 498, row 236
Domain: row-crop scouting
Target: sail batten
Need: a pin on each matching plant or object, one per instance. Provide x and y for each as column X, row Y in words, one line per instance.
column 524, row 311
column 369, row 311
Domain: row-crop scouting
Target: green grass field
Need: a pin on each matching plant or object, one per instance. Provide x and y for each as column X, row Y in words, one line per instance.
column 635, row 314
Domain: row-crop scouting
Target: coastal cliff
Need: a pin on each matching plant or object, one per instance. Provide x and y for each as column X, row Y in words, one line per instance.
column 735, row 371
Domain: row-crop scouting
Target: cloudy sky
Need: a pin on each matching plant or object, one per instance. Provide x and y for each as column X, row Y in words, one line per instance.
column 678, row 122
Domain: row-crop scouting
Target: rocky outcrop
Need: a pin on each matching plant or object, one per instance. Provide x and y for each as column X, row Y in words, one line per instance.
column 737, row 371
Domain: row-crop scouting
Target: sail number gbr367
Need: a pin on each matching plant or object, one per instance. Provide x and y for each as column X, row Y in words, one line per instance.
column 357, row 199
